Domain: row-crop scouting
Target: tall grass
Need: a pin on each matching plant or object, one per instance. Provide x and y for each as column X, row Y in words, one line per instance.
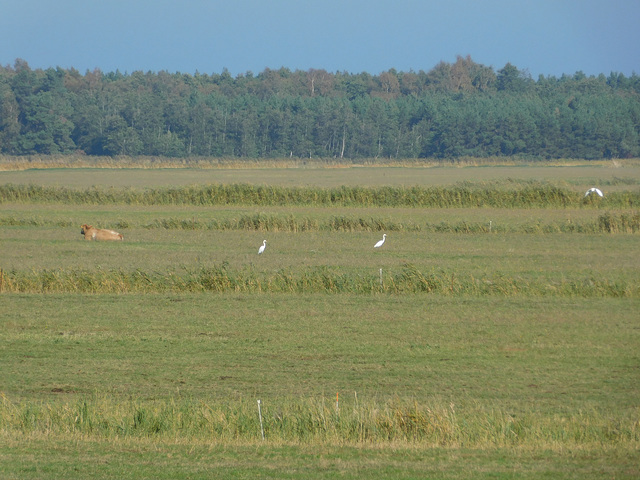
column 539, row 195
column 27, row 162
column 625, row 222
column 221, row 278
column 311, row 420
column 81, row 161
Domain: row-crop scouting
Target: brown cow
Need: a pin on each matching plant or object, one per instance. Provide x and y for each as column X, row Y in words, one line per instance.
column 92, row 233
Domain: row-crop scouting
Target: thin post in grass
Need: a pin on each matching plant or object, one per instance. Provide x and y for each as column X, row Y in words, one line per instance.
column 381, row 279
column 260, row 415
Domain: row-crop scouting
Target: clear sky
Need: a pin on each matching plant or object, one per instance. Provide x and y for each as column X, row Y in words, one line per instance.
column 548, row 37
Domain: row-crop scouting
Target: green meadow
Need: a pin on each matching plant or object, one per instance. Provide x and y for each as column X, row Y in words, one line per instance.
column 497, row 337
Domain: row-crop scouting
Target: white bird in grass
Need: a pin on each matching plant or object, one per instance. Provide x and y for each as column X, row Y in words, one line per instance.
column 594, row 190
column 381, row 242
column 261, row 249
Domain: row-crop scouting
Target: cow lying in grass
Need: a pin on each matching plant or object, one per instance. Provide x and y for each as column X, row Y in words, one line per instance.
column 92, row 233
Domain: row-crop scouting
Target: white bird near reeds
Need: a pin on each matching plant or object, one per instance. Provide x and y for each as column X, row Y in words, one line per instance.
column 594, row 190
column 261, row 249
column 381, row 242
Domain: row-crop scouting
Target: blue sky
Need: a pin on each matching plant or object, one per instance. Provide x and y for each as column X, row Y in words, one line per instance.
column 548, row 37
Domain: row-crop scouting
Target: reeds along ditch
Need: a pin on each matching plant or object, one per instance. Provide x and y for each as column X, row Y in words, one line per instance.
column 407, row 279
column 605, row 223
column 315, row 420
column 463, row 195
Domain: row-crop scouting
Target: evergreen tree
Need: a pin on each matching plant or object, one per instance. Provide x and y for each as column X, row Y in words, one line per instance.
column 455, row 109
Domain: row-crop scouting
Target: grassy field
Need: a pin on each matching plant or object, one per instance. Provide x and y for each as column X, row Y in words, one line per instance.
column 477, row 343
column 610, row 175
column 508, row 384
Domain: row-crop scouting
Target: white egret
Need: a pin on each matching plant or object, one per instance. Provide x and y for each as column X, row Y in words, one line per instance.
column 594, row 190
column 381, row 242
column 261, row 249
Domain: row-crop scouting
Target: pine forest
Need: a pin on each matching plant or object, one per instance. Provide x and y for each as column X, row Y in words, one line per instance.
column 459, row 109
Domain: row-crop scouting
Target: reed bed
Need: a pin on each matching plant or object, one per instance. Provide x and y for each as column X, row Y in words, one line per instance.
column 608, row 222
column 318, row 420
column 529, row 195
column 330, row 280
column 28, row 162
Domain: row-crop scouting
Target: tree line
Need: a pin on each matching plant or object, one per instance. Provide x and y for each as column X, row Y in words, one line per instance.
column 455, row 109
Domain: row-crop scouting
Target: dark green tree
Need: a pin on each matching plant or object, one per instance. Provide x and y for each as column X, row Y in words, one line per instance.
column 510, row 79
